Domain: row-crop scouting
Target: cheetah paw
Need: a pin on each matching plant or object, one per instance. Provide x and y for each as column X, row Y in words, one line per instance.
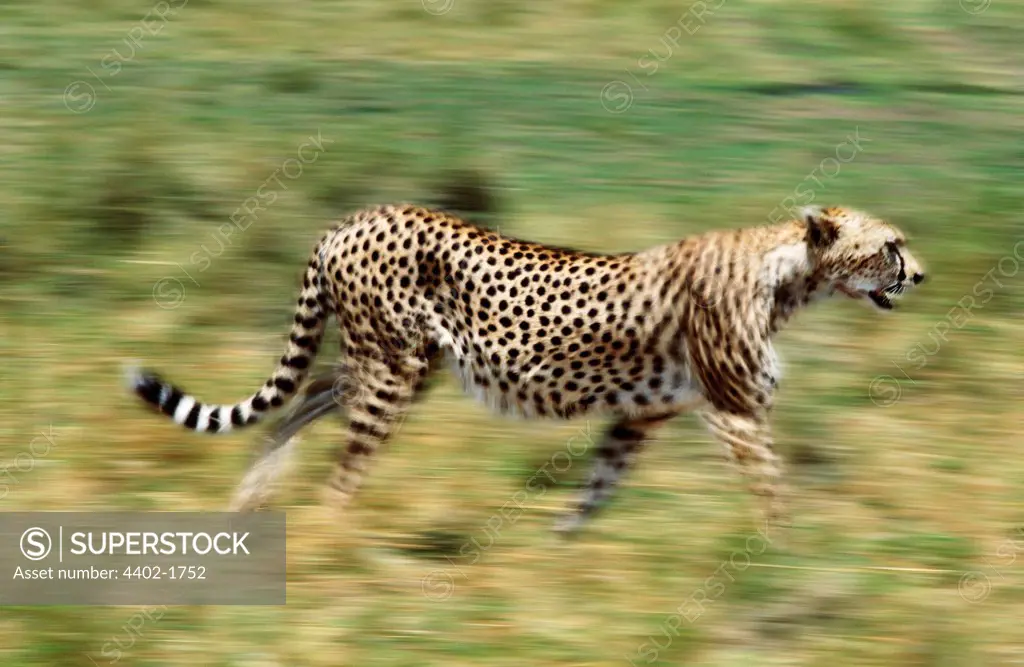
column 568, row 524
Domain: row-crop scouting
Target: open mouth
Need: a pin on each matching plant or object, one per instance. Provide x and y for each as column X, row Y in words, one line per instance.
column 883, row 298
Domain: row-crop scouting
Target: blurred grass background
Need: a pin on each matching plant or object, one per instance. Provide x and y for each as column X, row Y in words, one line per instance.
column 100, row 205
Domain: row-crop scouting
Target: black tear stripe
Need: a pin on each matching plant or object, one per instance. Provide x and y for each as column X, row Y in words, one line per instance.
column 903, row 267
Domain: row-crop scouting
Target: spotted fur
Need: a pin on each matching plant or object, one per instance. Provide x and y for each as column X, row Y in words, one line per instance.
column 549, row 332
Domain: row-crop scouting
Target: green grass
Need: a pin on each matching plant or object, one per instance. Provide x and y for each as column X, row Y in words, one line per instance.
column 97, row 207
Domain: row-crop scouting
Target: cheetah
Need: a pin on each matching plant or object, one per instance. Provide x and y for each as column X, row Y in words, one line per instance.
column 544, row 332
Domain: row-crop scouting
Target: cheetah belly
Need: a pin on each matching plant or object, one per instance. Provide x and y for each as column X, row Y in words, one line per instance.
column 554, row 390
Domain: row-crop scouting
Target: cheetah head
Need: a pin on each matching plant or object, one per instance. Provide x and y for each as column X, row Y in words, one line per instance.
column 863, row 257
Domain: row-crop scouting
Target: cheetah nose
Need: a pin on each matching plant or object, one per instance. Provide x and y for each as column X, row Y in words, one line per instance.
column 918, row 278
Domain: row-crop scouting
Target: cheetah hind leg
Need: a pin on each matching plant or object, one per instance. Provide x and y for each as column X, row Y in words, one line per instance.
column 326, row 394
column 320, row 398
column 377, row 402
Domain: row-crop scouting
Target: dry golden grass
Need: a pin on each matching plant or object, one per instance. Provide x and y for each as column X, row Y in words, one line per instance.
column 210, row 107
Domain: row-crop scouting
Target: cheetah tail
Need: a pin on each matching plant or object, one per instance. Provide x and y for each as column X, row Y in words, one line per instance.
column 306, row 334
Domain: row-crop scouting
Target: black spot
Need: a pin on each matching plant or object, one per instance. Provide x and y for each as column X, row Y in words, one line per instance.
column 295, row 362
column 357, row 448
column 149, row 389
column 193, row 417
column 236, row 416
column 626, row 434
column 359, row 427
column 171, row 405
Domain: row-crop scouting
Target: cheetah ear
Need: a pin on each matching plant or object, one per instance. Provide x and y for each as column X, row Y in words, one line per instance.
column 822, row 229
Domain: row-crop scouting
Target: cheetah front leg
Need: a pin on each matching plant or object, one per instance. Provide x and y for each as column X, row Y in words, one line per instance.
column 748, row 441
column 617, row 452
